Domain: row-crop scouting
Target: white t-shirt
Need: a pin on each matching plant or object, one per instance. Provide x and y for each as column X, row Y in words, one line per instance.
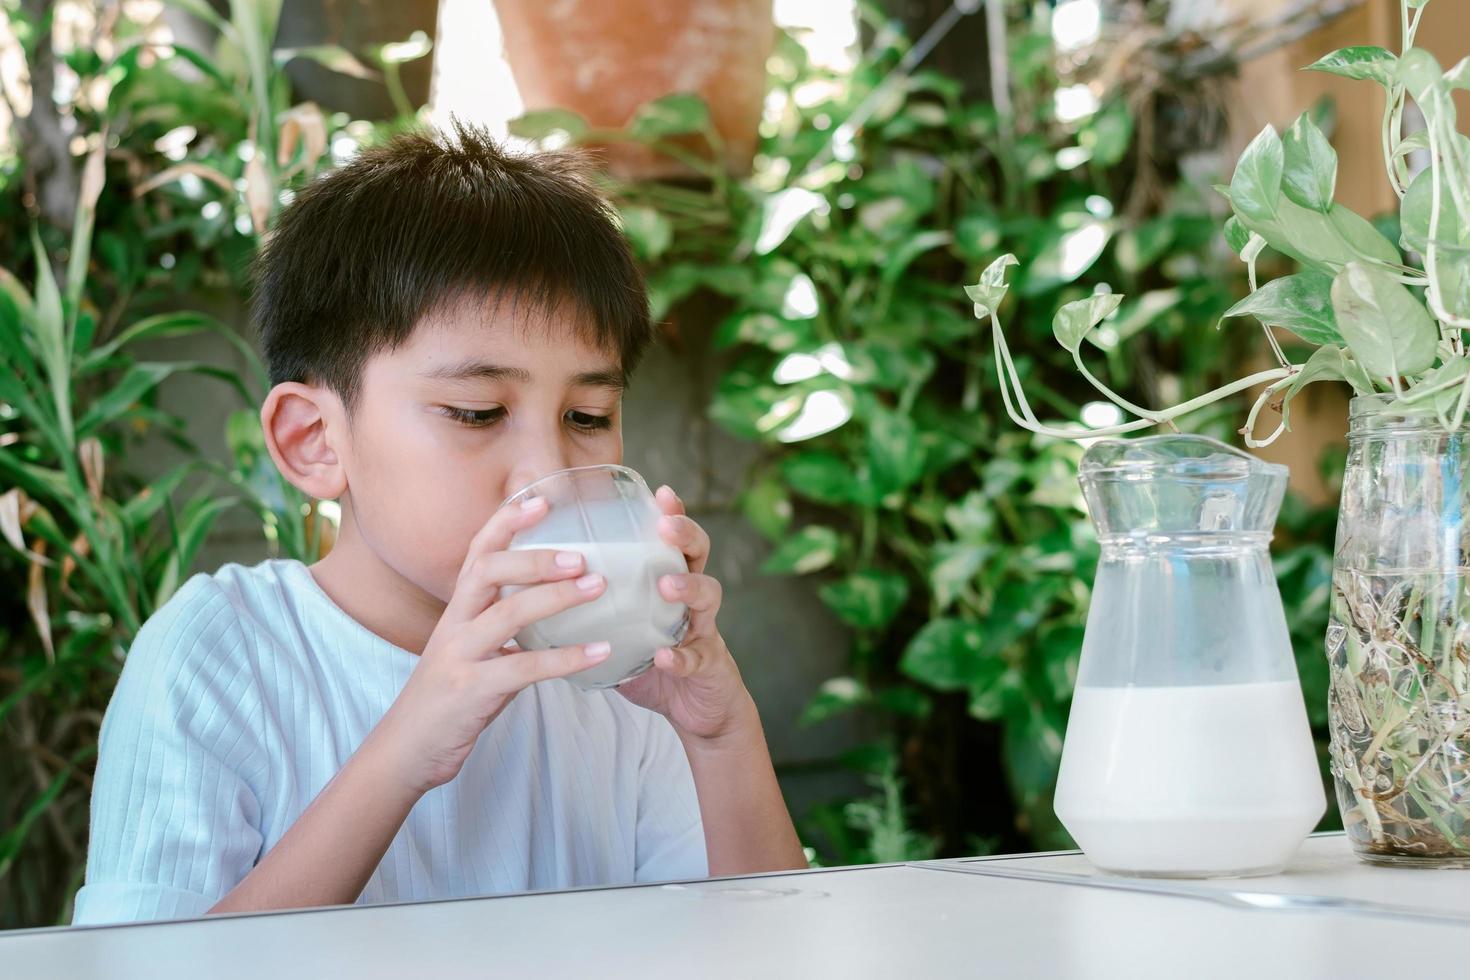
column 248, row 691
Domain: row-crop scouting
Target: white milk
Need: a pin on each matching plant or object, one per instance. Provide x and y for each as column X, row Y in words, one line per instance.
column 630, row 614
column 1189, row 781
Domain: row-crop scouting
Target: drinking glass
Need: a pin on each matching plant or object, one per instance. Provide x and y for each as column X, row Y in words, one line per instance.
column 608, row 514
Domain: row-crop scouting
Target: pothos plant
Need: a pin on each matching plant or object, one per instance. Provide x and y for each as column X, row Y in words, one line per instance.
column 1383, row 316
column 1388, row 318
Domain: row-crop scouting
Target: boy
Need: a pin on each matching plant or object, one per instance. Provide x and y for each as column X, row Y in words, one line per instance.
column 443, row 324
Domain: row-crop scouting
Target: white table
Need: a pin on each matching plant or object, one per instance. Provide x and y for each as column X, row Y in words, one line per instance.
column 939, row 919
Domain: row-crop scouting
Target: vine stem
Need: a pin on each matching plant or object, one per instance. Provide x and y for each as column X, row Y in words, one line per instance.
column 1020, row 410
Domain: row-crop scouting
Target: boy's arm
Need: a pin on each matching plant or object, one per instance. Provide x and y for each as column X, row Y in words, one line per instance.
column 746, row 826
column 332, row 849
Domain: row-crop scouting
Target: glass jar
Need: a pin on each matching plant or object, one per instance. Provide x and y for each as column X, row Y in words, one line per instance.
column 1398, row 644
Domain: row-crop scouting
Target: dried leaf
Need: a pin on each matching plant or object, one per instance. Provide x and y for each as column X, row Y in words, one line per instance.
column 11, row 504
column 36, row 598
column 90, row 454
column 178, row 170
column 94, row 176
column 304, row 123
column 258, row 193
column 81, row 546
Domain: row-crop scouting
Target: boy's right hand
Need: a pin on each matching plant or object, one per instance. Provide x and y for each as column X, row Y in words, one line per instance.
column 466, row 675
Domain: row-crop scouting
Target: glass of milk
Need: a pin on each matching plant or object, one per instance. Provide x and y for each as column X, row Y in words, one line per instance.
column 1187, row 752
column 608, row 514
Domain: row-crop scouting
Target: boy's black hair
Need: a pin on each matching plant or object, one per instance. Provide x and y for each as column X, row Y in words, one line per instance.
column 428, row 220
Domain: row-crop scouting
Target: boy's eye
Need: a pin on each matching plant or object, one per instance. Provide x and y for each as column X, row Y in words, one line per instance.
column 588, row 423
column 475, row 417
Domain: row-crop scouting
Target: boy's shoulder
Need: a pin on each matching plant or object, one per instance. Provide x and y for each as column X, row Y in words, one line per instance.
column 210, row 622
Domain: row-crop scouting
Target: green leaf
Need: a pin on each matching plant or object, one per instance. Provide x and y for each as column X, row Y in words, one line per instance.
column 1417, row 208
column 836, row 696
column 945, row 654
column 972, row 518
column 1255, row 188
column 1061, row 649
column 13, row 839
column 811, row 549
column 1301, row 303
column 1310, row 175
column 672, row 115
column 1032, row 750
column 1419, row 72
column 1140, row 247
column 1459, row 76
column 764, row 329
column 904, row 700
column 159, row 327
column 1075, row 319
column 49, row 325
column 954, row 566
column 541, row 123
column 910, row 249
column 1325, row 364
column 1387, row 329
column 895, row 451
column 1109, row 134
column 1237, row 235
column 767, row 507
column 991, row 289
column 1452, row 276
column 867, row 600
column 137, row 382
column 781, row 212
column 244, row 437
column 412, row 48
column 1361, row 62
column 994, row 688
column 146, row 502
column 820, row 476
column 199, row 516
column 1325, row 242
column 333, row 57
column 650, row 232
column 1067, row 257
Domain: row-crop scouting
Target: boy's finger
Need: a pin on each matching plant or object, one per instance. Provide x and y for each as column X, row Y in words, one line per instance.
column 701, row 593
column 514, row 613
column 679, row 661
column 685, row 534
column 482, row 577
column 671, row 661
column 668, row 501
column 522, row 668
column 496, row 533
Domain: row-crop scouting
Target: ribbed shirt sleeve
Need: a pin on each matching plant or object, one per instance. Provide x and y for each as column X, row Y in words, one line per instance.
column 176, row 810
column 670, row 833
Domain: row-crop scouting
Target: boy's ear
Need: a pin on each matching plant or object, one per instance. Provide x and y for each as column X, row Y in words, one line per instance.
column 303, row 426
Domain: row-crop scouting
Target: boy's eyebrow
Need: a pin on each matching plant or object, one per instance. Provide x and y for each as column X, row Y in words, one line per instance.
column 483, row 370
column 600, row 379
column 466, row 370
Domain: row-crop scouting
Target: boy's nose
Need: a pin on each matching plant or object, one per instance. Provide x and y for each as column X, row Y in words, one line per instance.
column 531, row 464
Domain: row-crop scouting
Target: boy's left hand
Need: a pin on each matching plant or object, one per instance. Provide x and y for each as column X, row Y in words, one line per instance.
column 696, row 685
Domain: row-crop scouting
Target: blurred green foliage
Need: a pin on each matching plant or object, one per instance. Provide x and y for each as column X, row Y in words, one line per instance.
column 184, row 157
column 954, row 546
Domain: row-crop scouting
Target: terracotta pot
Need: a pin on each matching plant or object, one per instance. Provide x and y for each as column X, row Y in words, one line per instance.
column 604, row 58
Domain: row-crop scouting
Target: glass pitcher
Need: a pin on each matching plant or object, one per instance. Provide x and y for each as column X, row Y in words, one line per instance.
column 1187, row 752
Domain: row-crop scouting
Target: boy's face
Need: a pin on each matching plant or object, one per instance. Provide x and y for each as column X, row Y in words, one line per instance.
column 479, row 402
